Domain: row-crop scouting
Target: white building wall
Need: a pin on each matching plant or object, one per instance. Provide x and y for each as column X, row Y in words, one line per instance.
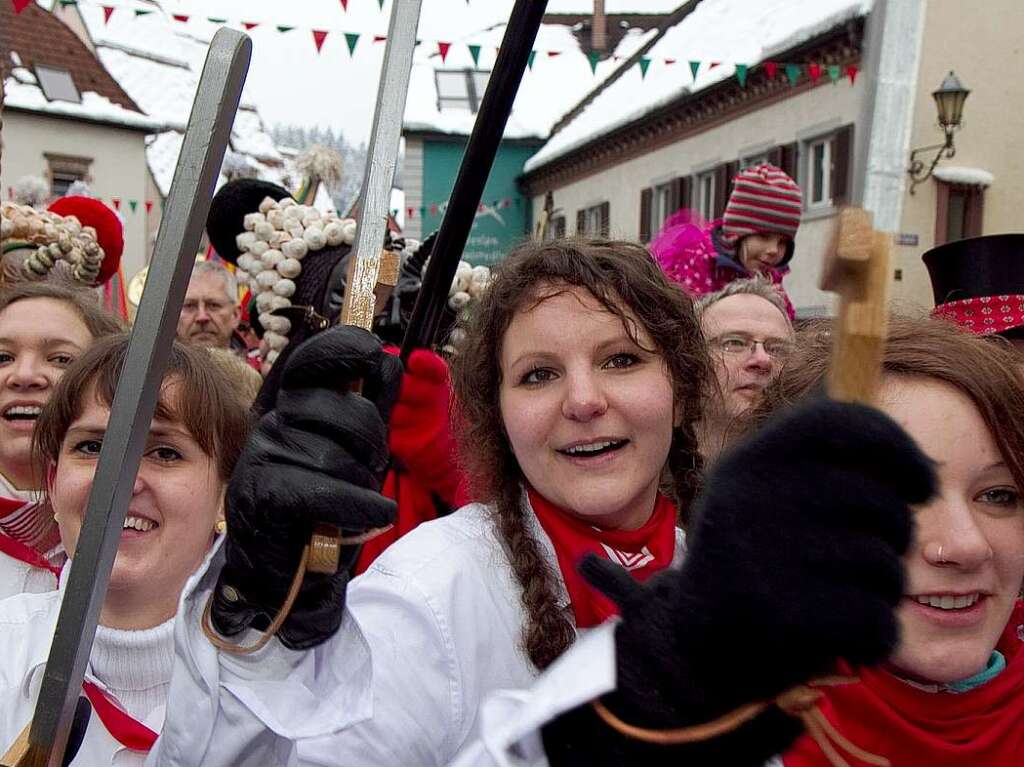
column 412, row 181
column 801, row 116
column 118, row 166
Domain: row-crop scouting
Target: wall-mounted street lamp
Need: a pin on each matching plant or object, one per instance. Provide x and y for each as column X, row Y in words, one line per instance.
column 949, row 100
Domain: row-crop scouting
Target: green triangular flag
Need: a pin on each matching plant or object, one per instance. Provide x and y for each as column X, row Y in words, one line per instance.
column 741, row 74
column 138, row 11
column 351, row 38
column 594, row 57
column 474, row 51
column 530, row 58
column 793, row 73
column 694, row 66
column 215, row 20
column 834, row 72
column 65, row 3
column 284, row 28
column 381, row 4
column 644, row 63
column 133, row 204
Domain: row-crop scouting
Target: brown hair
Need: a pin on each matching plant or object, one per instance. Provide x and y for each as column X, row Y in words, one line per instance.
column 206, row 402
column 627, row 282
column 986, row 369
column 97, row 320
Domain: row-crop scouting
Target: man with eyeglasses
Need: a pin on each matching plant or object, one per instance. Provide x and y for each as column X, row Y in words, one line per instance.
column 749, row 336
column 210, row 315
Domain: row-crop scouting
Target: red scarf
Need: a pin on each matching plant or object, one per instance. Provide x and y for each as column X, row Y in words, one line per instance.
column 643, row 552
column 911, row 727
column 125, row 729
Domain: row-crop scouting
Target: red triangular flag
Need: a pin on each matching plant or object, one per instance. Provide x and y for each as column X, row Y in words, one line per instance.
column 344, row 5
column 814, row 70
column 117, row 202
column 319, row 35
column 108, row 11
column 442, row 48
column 771, row 67
column 379, row 38
column 552, row 54
column 714, row 64
column 409, row 212
column 250, row 24
column 669, row 62
column 179, row 17
column 851, row 72
column 20, row 5
column 149, row 205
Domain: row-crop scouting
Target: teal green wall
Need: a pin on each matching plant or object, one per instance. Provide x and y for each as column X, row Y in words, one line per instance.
column 495, row 230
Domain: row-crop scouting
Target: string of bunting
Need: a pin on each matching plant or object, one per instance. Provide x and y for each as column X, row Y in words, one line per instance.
column 793, row 72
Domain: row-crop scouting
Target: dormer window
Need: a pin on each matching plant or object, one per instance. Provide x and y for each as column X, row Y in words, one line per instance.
column 460, row 88
column 57, row 84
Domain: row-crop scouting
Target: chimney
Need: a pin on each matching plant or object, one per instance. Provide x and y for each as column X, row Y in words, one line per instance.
column 599, row 28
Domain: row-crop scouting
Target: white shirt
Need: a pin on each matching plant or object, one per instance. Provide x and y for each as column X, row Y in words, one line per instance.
column 438, row 617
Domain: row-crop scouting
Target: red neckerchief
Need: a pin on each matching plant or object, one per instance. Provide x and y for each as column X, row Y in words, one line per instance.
column 123, row 727
column 643, row 552
column 19, row 551
column 911, row 727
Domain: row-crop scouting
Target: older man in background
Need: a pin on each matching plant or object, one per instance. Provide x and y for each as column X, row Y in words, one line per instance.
column 210, row 314
column 749, row 336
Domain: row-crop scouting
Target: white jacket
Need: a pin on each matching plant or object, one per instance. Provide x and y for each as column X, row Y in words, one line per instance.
column 430, row 631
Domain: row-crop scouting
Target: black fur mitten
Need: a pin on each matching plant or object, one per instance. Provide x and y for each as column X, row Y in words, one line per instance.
column 794, row 561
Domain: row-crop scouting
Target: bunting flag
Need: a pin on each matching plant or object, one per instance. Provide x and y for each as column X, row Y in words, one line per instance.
column 108, row 11
column 344, row 5
column 644, row 63
column 771, row 68
column 20, row 5
column 133, row 204
column 183, row 18
column 694, row 67
column 380, row 4
column 378, row 38
column 149, row 207
column 593, row 57
column 63, row 4
column 741, row 75
column 351, row 38
column 833, row 73
column 851, row 72
column 284, row 28
column 216, row 20
column 442, row 48
column 814, row 70
column 474, row 51
column 117, row 202
column 668, row 62
column 250, row 25
column 142, row 11
column 793, row 73
column 530, row 58
column 319, row 35
column 552, row 54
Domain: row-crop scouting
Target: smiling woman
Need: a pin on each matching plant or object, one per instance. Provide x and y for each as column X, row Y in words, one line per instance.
column 195, row 438
column 44, row 327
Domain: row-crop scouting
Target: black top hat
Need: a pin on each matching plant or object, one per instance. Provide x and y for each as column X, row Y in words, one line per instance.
column 992, row 265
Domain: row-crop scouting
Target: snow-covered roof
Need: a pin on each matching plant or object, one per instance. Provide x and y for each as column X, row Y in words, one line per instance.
column 159, row 64
column 727, row 31
column 960, row 174
column 614, row 6
column 549, row 90
column 22, row 91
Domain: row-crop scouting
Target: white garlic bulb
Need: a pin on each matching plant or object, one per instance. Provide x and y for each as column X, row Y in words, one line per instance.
column 296, row 248
column 289, row 268
column 458, row 301
column 276, row 218
column 314, row 237
column 266, row 279
column 267, row 203
column 263, row 302
column 245, row 262
column 334, row 233
column 278, row 302
column 264, row 230
column 349, row 231
column 249, row 221
column 244, row 240
column 275, row 340
column 271, row 258
column 259, row 247
column 284, row 287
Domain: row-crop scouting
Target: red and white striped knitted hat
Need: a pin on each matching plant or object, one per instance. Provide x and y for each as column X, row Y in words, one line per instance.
column 764, row 199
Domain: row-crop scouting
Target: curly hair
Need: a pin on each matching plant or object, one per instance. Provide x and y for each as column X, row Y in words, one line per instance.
column 625, row 280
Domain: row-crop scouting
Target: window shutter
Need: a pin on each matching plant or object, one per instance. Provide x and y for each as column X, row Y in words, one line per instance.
column 842, row 146
column 775, row 157
column 560, row 227
column 680, row 193
column 646, row 195
column 721, row 181
column 788, row 157
column 606, row 210
column 975, row 212
column 581, row 219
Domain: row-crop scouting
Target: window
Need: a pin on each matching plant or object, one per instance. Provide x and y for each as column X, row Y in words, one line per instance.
column 593, row 221
column 57, row 84
column 556, row 227
column 959, row 211
column 460, row 88
column 706, row 195
column 660, row 201
column 754, row 160
column 819, row 174
column 64, row 170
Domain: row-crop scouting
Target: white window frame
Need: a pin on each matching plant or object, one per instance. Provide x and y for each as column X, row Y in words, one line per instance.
column 705, row 194
column 824, row 200
column 592, row 220
column 472, row 80
column 661, row 206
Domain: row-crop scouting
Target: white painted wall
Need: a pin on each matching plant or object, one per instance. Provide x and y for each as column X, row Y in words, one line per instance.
column 412, row 181
column 118, row 166
column 801, row 116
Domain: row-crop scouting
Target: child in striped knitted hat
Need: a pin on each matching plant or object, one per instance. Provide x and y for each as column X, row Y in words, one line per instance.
column 754, row 236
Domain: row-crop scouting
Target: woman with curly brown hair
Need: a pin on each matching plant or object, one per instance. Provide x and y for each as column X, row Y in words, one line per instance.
column 578, row 388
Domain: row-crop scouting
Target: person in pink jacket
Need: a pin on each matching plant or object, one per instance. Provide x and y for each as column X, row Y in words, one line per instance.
column 754, row 236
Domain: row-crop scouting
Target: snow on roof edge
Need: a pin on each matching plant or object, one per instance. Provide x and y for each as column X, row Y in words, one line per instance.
column 962, row 174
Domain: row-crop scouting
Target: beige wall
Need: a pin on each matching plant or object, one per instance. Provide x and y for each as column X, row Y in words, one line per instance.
column 118, row 166
column 801, row 116
column 983, row 46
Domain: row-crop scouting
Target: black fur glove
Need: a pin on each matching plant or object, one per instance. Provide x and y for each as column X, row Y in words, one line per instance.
column 319, row 455
column 794, row 561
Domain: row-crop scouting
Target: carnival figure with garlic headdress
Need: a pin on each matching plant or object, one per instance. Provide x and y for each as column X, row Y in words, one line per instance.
column 295, row 260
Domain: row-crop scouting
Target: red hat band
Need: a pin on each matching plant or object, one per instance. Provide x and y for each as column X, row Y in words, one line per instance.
column 986, row 314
